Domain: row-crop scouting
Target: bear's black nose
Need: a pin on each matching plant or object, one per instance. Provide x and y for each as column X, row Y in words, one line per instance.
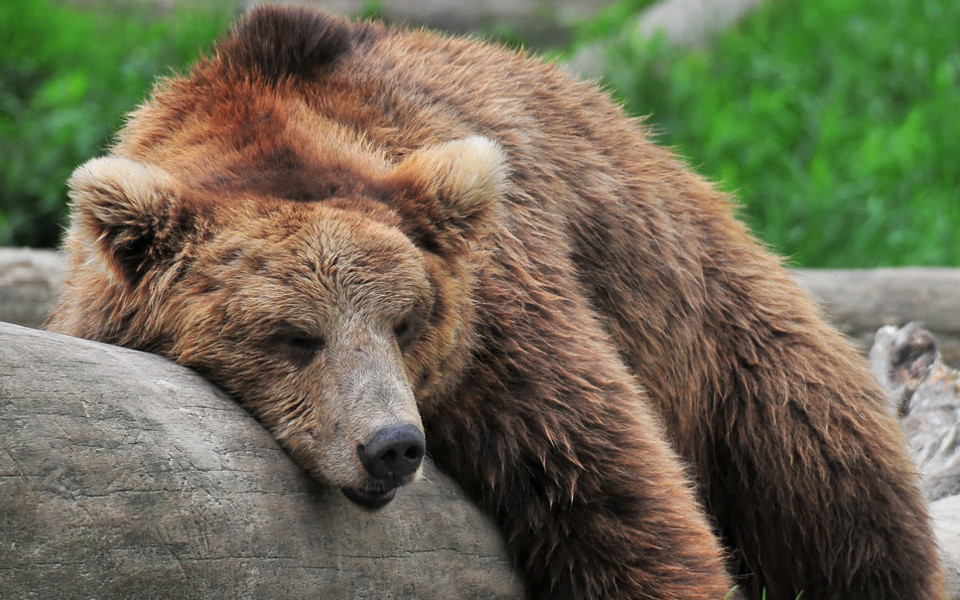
column 393, row 452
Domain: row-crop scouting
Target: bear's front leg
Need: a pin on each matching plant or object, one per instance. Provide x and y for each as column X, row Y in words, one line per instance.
column 552, row 438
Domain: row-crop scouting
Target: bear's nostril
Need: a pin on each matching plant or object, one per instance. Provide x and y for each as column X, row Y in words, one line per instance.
column 393, row 452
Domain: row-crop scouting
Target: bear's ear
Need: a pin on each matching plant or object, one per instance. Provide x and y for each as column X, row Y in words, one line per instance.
column 451, row 190
column 122, row 210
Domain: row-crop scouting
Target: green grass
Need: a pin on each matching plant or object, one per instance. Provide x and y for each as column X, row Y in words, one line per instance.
column 67, row 77
column 837, row 124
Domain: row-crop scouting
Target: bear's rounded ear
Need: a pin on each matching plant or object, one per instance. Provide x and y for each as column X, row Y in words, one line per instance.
column 121, row 211
column 451, row 189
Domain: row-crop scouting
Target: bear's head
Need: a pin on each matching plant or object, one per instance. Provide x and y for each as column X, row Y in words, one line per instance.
column 328, row 320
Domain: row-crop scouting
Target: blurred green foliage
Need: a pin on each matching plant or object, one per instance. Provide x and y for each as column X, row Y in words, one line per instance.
column 836, row 124
column 610, row 20
column 67, row 77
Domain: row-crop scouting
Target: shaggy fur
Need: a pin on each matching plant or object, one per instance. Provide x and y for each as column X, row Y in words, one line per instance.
column 342, row 223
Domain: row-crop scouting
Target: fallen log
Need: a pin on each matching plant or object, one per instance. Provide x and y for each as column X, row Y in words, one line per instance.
column 124, row 475
column 859, row 301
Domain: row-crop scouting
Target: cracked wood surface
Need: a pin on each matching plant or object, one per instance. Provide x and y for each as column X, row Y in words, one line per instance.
column 124, row 475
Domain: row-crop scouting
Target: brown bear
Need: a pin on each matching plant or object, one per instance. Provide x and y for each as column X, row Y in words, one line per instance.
column 351, row 228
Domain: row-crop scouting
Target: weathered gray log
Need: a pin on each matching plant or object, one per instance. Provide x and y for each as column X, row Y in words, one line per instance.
column 946, row 517
column 124, row 475
column 29, row 284
column 859, row 301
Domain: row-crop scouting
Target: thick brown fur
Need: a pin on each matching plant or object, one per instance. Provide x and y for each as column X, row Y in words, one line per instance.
column 601, row 355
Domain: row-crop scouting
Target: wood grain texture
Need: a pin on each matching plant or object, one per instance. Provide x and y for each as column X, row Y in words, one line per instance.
column 124, row 475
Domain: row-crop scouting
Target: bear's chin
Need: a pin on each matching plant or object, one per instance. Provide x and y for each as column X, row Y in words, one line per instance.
column 370, row 499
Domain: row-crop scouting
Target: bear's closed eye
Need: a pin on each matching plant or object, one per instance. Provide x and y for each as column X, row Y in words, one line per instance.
column 298, row 347
column 405, row 331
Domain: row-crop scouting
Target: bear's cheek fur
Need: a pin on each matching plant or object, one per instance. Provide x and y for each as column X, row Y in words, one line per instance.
column 446, row 334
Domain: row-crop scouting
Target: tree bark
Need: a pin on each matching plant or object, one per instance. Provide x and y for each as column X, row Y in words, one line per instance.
column 124, row 475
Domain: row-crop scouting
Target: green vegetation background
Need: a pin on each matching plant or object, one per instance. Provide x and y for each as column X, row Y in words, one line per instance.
column 836, row 124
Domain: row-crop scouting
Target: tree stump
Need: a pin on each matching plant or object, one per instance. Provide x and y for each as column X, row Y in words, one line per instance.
column 925, row 395
column 124, row 475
